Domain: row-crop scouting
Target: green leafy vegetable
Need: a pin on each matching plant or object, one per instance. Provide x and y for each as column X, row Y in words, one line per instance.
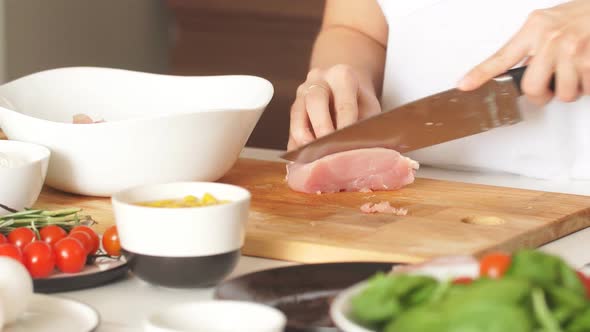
column 385, row 297
column 538, row 293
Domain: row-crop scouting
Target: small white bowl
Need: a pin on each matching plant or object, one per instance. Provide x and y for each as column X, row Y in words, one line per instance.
column 217, row 316
column 182, row 247
column 21, row 185
column 157, row 129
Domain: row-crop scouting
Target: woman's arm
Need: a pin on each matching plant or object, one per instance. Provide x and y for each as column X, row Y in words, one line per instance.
column 346, row 71
column 555, row 41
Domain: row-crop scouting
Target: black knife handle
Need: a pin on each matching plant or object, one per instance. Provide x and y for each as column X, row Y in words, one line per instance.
column 518, row 73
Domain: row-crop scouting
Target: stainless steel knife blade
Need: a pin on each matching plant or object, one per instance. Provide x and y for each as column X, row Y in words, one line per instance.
column 436, row 119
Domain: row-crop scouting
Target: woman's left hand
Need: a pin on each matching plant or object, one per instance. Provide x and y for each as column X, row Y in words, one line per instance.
column 552, row 41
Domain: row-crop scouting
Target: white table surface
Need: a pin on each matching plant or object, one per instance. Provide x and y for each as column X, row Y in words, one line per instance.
column 124, row 304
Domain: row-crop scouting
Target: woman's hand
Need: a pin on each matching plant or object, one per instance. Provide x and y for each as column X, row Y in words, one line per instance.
column 553, row 41
column 330, row 99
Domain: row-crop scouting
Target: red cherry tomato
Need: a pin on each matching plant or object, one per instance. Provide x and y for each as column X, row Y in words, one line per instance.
column 70, row 255
column 586, row 281
column 39, row 259
column 462, row 280
column 110, row 241
column 84, row 239
column 494, row 265
column 12, row 251
column 3, row 238
column 21, row 236
column 51, row 234
column 95, row 241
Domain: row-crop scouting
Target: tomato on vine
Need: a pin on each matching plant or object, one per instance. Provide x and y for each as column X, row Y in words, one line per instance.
column 12, row 251
column 21, row 236
column 494, row 265
column 110, row 241
column 70, row 255
column 84, row 239
column 94, row 240
column 39, row 259
column 51, row 234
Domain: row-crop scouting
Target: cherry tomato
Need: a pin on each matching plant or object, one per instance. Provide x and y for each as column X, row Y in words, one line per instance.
column 51, row 234
column 84, row 238
column 12, row 251
column 110, row 241
column 95, row 241
column 3, row 238
column 586, row 281
column 494, row 265
column 70, row 255
column 21, row 236
column 39, row 259
column 462, row 280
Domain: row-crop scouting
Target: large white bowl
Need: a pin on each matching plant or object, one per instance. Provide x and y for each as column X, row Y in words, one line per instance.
column 20, row 186
column 158, row 128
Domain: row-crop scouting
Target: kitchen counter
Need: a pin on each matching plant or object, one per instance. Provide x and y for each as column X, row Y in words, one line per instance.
column 124, row 304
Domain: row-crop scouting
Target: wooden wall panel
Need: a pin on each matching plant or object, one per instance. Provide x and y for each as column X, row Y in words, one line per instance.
column 267, row 38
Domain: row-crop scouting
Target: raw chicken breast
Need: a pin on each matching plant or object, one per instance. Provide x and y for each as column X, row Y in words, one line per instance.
column 356, row 170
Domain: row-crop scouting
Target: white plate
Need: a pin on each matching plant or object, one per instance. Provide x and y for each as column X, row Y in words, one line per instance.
column 340, row 309
column 217, row 316
column 51, row 313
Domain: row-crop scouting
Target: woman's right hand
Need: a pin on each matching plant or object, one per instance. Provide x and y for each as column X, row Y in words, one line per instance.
column 330, row 99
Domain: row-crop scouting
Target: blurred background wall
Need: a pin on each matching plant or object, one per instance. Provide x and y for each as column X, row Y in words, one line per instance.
column 268, row 38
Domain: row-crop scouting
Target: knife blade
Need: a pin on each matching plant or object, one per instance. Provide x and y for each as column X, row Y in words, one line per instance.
column 432, row 120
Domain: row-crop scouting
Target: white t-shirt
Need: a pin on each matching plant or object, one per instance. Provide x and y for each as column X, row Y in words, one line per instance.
column 433, row 43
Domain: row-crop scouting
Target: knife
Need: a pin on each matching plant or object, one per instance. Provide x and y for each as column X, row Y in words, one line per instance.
column 436, row 119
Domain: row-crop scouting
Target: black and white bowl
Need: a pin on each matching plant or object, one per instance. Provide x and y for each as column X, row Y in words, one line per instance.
column 182, row 247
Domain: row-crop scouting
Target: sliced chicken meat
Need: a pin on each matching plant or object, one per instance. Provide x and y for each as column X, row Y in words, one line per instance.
column 357, row 170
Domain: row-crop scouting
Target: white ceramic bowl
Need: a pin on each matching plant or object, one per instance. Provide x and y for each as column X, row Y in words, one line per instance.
column 217, row 316
column 20, row 185
column 340, row 309
column 158, row 128
column 441, row 268
column 182, row 247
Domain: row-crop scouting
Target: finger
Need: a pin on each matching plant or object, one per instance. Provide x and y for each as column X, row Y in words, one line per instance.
column 317, row 105
column 291, row 144
column 535, row 82
column 300, row 129
column 505, row 58
column 584, row 71
column 586, row 82
column 369, row 105
column 345, row 91
column 567, row 82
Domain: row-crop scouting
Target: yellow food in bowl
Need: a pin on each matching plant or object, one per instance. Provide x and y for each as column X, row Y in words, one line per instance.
column 188, row 201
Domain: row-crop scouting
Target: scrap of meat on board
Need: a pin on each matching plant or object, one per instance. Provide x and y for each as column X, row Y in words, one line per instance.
column 383, row 207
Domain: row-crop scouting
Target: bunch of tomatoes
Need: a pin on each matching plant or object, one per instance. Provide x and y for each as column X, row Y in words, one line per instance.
column 52, row 247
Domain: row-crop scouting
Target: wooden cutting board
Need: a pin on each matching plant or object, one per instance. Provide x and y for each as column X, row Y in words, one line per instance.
column 444, row 218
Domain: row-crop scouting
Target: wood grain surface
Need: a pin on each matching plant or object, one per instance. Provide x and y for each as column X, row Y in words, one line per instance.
column 444, row 218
